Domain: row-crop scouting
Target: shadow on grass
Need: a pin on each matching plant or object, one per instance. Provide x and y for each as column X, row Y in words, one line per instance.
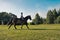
column 44, row 29
column 36, row 29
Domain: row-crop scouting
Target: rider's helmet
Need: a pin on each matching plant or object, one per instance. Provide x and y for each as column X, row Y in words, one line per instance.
column 21, row 13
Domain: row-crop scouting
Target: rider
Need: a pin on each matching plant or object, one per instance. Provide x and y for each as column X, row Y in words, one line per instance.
column 22, row 16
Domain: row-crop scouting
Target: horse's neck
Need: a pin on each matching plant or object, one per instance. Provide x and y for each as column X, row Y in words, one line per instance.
column 26, row 18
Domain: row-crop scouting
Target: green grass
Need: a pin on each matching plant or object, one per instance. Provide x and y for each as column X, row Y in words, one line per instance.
column 36, row 32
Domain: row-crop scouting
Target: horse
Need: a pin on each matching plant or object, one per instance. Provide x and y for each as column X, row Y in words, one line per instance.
column 14, row 22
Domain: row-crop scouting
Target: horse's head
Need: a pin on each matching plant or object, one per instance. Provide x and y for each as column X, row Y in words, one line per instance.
column 29, row 17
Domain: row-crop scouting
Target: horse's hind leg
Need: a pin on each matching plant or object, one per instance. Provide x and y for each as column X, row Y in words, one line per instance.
column 10, row 26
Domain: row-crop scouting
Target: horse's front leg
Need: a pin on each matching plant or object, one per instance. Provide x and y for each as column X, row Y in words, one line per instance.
column 27, row 25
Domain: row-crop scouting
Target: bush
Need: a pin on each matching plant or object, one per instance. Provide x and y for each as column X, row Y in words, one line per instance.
column 32, row 23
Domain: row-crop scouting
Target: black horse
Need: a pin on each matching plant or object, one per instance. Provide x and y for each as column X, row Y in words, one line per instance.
column 14, row 22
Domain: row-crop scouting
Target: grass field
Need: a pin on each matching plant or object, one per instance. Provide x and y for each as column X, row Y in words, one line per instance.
column 36, row 32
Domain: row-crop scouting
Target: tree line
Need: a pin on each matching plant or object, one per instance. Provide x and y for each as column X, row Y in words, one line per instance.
column 52, row 17
column 5, row 17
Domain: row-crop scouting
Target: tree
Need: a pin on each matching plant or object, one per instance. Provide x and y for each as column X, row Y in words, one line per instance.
column 37, row 19
column 12, row 15
column 58, row 19
column 41, row 20
column 5, row 17
column 50, row 17
column 59, row 12
column 44, row 20
column 55, row 15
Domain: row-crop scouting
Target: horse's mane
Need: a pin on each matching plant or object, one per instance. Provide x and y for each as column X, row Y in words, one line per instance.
column 27, row 16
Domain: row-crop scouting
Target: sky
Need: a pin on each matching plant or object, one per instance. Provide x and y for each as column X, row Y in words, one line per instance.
column 29, row 7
